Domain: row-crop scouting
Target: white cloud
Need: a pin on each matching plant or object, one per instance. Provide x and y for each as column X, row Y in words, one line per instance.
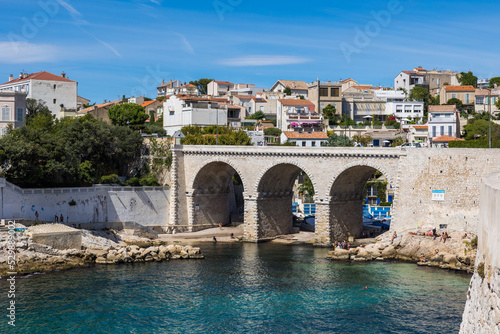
column 22, row 52
column 185, row 44
column 262, row 60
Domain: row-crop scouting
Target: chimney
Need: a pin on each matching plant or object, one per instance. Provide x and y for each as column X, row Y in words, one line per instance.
column 11, row 77
column 21, row 75
column 63, row 75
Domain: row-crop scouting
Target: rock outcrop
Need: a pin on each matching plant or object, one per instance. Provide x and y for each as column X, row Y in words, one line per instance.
column 455, row 253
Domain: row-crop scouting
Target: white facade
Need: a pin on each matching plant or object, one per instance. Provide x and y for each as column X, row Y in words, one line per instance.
column 397, row 104
column 442, row 123
column 304, row 139
column 407, row 80
column 180, row 112
column 57, row 92
column 13, row 110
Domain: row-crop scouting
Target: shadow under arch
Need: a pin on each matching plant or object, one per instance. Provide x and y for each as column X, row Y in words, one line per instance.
column 346, row 204
column 215, row 197
column 274, row 202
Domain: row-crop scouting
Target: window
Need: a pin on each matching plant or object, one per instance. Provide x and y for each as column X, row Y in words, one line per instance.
column 442, row 130
column 434, row 131
column 453, row 96
column 313, row 143
column 467, row 98
column 54, row 101
column 262, row 108
column 323, row 92
column 5, row 113
column 334, row 92
column 55, row 86
column 20, row 114
column 304, row 143
column 438, row 81
column 479, row 99
column 449, row 131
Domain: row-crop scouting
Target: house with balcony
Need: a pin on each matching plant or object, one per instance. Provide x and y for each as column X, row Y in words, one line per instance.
column 297, row 88
column 466, row 94
column 58, row 92
column 323, row 94
column 169, row 88
column 443, row 120
column 182, row 110
column 304, row 137
column 219, row 88
column 433, row 80
column 13, row 107
column 397, row 104
column 418, row 134
column 293, row 113
column 485, row 100
column 360, row 104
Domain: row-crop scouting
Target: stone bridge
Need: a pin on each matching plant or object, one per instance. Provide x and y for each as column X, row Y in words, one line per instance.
column 202, row 187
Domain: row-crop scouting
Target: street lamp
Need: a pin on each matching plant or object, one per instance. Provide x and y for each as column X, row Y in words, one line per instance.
column 489, row 108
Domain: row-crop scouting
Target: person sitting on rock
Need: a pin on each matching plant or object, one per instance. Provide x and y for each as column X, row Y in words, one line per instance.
column 444, row 237
column 394, row 236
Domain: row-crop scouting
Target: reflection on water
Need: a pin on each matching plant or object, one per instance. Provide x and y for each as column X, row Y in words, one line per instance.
column 242, row 288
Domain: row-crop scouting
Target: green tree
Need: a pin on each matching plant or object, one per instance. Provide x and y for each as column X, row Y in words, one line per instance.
column 456, row 102
column 288, row 91
column 132, row 113
column 363, row 140
column 477, row 129
column 202, row 85
column 398, row 141
column 338, row 141
column 272, row 132
column 434, row 100
column 306, row 188
column 330, row 113
column 36, row 108
column 493, row 81
column 466, row 79
column 419, row 93
column 257, row 115
column 497, row 102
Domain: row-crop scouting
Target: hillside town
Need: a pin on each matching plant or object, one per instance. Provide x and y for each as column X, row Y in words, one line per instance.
column 424, row 108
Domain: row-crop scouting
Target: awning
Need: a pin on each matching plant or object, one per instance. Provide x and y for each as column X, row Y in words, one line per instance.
column 294, row 124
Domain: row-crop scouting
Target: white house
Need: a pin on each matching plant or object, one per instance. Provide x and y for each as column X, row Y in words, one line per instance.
column 398, row 105
column 219, row 88
column 304, row 138
column 291, row 113
column 180, row 111
column 13, row 108
column 443, row 120
column 168, row 88
column 58, row 92
column 296, row 87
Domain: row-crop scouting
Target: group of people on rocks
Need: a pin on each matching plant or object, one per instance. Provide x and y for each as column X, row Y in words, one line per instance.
column 342, row 245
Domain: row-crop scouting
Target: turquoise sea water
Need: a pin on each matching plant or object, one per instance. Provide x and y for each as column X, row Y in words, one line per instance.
column 241, row 288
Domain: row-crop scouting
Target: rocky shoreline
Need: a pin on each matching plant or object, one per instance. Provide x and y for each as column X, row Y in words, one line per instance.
column 456, row 253
column 33, row 257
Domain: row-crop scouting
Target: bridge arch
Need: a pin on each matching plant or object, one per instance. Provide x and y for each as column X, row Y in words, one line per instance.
column 346, row 198
column 274, row 189
column 213, row 196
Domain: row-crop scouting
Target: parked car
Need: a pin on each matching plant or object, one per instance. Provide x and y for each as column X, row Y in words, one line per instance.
column 405, row 145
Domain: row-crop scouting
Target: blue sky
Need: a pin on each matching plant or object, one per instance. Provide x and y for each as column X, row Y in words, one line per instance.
column 127, row 47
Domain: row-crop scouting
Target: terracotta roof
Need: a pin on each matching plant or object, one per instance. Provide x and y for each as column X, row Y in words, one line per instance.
column 97, row 106
column 188, row 85
column 296, row 102
column 259, row 99
column 346, row 80
column 483, row 92
column 305, row 135
column 446, row 138
column 412, row 72
column 41, row 76
column 223, row 82
column 147, row 103
column 244, row 97
column 450, row 108
column 421, row 127
column 459, row 88
column 363, row 87
column 420, row 69
column 294, row 84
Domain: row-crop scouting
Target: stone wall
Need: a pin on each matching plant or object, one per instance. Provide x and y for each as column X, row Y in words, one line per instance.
column 456, row 171
column 147, row 206
column 482, row 310
column 338, row 176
